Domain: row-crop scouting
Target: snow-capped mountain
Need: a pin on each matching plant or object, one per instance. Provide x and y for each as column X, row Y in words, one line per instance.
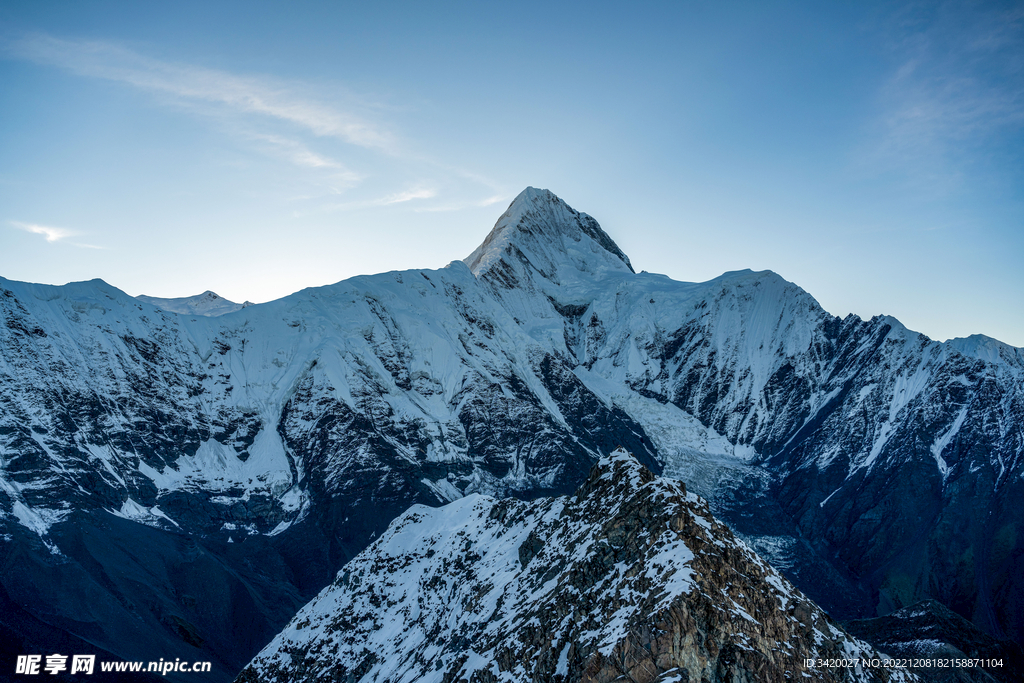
column 208, row 303
column 873, row 441
column 629, row 578
column 875, row 466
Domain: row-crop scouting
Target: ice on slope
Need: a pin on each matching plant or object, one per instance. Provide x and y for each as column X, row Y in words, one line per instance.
column 216, row 467
column 152, row 516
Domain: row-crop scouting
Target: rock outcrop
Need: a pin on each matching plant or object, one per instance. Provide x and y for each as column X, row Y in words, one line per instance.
column 933, row 635
column 631, row 578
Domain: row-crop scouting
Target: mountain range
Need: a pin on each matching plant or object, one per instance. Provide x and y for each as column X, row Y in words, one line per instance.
column 179, row 482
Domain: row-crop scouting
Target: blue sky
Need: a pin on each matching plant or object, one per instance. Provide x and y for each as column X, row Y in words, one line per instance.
column 870, row 153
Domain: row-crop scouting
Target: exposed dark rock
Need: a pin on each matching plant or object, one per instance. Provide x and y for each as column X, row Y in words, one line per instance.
column 930, row 631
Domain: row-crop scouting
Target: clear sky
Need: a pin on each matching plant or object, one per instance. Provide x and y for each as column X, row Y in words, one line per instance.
column 871, row 153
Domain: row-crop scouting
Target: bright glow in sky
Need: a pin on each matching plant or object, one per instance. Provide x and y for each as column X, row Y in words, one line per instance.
column 872, row 154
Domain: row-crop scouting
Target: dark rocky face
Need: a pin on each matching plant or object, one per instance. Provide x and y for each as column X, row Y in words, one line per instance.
column 930, row 631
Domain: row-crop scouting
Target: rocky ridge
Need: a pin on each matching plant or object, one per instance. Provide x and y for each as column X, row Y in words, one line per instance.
column 630, row 578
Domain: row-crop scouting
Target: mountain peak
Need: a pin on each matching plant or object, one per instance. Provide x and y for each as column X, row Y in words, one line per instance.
column 542, row 234
column 988, row 349
column 616, row 475
column 208, row 304
column 534, row 194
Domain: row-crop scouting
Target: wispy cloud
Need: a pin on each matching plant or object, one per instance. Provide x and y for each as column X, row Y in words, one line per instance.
column 281, row 119
column 407, row 196
column 339, row 177
column 958, row 86
column 51, row 234
column 459, row 206
column 248, row 94
column 298, row 153
column 412, row 194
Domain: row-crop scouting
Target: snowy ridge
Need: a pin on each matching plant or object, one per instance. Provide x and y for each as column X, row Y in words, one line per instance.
column 752, row 357
column 417, row 353
column 568, row 587
column 207, row 304
column 989, row 350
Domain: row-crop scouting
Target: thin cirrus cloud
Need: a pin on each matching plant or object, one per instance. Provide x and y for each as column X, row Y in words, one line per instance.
column 218, row 93
column 412, row 194
column 52, row 234
column 407, row 196
column 298, row 153
column 200, row 84
column 340, row 177
column 465, row 205
column 958, row 88
column 931, row 116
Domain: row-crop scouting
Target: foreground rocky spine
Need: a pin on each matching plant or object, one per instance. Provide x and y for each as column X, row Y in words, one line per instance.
column 631, row 578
